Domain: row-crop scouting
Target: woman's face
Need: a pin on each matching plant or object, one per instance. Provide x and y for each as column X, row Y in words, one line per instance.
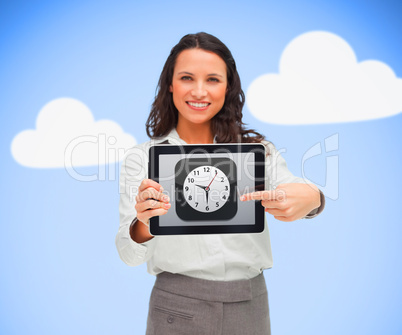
column 198, row 86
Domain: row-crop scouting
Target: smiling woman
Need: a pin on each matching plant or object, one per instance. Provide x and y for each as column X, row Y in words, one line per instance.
column 206, row 284
column 198, row 87
column 208, row 66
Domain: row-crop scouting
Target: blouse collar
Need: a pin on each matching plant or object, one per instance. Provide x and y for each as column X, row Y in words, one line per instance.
column 174, row 138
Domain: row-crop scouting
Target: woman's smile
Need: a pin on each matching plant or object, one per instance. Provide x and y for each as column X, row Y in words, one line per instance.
column 198, row 105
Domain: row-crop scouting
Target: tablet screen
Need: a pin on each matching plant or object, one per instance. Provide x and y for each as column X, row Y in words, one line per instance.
column 204, row 183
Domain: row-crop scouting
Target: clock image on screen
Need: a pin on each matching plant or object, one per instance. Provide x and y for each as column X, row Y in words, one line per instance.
column 206, row 189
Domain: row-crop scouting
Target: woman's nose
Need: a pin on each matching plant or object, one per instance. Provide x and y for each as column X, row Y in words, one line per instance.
column 199, row 91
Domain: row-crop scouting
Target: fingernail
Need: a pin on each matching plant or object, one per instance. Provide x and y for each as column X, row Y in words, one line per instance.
column 242, row 198
column 165, row 198
column 167, row 206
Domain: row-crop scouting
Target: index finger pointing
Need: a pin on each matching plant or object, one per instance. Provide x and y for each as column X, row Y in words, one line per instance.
column 261, row 195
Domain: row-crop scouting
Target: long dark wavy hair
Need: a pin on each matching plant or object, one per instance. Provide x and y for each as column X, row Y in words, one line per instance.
column 227, row 125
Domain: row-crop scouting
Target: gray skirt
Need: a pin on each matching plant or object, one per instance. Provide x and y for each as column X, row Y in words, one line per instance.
column 182, row 305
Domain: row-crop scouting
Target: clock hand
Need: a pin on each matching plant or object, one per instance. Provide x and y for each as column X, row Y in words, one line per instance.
column 207, row 189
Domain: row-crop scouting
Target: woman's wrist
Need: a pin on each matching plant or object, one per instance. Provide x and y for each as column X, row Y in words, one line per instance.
column 145, row 223
column 139, row 231
column 319, row 209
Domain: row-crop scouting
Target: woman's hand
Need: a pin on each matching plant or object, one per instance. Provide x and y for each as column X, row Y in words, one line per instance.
column 288, row 202
column 150, row 202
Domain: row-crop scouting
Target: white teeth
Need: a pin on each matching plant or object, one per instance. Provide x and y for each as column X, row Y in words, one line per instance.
column 198, row 105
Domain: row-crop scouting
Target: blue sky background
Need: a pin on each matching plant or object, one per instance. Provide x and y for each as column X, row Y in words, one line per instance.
column 60, row 271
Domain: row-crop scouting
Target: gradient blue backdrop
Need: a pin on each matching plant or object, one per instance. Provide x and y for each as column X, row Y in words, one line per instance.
column 60, row 272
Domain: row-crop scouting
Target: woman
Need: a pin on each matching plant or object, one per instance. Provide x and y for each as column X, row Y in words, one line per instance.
column 206, row 284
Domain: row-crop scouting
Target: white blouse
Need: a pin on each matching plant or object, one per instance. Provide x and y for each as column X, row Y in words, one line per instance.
column 222, row 257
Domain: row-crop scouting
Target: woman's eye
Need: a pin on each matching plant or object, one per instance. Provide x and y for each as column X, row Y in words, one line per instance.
column 214, row 80
column 185, row 78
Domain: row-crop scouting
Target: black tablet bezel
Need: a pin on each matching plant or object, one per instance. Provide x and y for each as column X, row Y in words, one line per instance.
column 259, row 172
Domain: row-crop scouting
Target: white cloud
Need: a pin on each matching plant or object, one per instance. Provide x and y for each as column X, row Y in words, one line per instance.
column 320, row 81
column 67, row 135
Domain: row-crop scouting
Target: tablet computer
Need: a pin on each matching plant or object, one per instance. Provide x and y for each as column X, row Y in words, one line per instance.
column 204, row 184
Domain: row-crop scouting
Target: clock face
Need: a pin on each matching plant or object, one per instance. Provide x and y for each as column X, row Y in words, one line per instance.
column 206, row 188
